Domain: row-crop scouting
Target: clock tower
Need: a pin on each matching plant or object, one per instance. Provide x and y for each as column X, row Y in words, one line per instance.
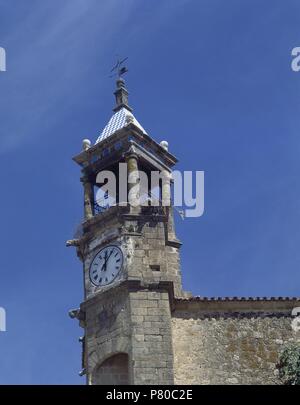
column 130, row 254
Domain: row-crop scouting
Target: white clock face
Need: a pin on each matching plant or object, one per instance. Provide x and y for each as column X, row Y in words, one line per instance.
column 106, row 265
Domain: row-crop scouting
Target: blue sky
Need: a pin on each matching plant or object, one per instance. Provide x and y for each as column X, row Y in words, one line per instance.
column 213, row 77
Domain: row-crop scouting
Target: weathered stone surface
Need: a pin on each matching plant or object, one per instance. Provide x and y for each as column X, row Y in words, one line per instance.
column 152, row 352
column 230, row 348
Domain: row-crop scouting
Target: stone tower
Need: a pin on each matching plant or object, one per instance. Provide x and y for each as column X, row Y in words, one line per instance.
column 130, row 256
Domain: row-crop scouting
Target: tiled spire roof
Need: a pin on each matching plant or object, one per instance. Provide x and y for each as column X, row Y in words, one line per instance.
column 123, row 113
column 119, row 120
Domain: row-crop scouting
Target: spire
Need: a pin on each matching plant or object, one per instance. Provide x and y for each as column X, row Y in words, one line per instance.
column 121, row 94
column 122, row 112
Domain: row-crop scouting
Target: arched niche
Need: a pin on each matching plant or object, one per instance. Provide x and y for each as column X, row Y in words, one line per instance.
column 113, row 371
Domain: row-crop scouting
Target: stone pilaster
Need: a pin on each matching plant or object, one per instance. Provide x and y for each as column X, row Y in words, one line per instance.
column 166, row 188
column 133, row 181
column 88, row 198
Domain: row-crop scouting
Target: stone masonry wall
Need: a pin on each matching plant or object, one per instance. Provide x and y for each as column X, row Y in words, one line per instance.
column 229, row 348
column 149, row 259
column 151, row 346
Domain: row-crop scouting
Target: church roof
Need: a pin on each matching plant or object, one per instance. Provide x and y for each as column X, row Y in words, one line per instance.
column 119, row 120
column 210, row 299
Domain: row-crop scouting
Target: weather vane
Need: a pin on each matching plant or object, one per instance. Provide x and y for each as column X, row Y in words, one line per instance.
column 119, row 69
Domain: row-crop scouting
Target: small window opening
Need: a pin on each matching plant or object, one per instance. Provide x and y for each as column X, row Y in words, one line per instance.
column 155, row 267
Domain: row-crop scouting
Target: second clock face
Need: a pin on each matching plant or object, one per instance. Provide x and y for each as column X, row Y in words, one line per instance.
column 106, row 265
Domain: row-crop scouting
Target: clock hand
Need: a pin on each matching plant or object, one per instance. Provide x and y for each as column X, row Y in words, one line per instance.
column 107, row 258
column 105, row 261
column 104, row 266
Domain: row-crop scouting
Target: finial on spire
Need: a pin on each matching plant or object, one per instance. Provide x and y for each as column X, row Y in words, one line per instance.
column 121, row 95
column 120, row 70
column 121, row 92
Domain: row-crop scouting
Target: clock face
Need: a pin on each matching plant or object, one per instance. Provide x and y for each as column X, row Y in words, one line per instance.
column 106, row 265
